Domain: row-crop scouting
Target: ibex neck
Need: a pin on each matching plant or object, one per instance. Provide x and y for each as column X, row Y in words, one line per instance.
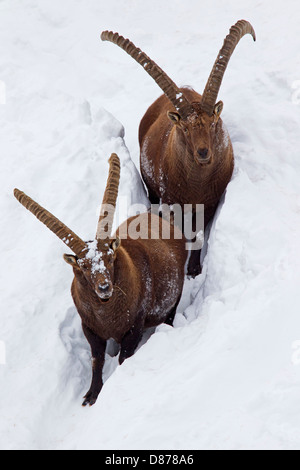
column 200, row 183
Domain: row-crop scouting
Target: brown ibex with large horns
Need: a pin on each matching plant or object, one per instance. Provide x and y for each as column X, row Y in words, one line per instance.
column 121, row 285
column 186, row 152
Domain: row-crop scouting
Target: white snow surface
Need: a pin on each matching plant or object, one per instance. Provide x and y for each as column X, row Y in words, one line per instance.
column 227, row 376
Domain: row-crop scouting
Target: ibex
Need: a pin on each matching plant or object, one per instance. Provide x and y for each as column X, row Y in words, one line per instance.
column 121, row 285
column 186, row 154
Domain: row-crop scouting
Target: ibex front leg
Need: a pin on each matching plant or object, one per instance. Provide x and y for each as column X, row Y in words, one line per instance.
column 98, row 347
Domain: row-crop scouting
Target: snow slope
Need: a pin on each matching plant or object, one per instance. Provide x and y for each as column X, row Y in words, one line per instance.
column 228, row 375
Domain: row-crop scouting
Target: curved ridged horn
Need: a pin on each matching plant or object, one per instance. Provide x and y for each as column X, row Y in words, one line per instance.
column 214, row 81
column 56, row 226
column 169, row 88
column 109, row 201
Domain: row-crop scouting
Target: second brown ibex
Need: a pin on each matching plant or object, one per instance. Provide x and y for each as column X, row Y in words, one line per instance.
column 186, row 154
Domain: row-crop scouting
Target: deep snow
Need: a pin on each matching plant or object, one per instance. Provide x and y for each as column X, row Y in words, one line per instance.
column 228, row 375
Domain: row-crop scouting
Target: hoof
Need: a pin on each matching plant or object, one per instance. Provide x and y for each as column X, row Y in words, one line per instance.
column 194, row 272
column 90, row 399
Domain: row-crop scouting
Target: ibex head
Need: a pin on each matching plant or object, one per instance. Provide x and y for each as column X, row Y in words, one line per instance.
column 98, row 266
column 94, row 260
column 197, row 131
column 197, row 121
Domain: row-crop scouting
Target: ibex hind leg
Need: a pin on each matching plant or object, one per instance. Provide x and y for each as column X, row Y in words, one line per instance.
column 131, row 340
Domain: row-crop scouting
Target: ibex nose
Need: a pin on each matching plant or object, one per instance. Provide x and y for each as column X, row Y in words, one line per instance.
column 202, row 153
column 105, row 291
column 103, row 288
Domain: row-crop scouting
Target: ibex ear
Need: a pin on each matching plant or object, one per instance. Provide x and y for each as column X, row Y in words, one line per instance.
column 116, row 244
column 174, row 117
column 218, row 109
column 72, row 260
